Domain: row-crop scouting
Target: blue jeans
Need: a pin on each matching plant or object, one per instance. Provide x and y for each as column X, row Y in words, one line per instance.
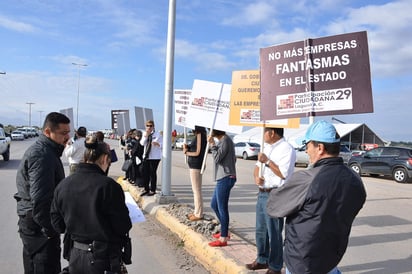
column 220, row 203
column 333, row 271
column 269, row 241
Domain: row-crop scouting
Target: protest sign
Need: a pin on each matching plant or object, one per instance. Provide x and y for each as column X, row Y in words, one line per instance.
column 181, row 100
column 245, row 102
column 210, row 106
column 315, row 77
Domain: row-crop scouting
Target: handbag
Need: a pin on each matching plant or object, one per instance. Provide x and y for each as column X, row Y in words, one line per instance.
column 113, row 156
column 126, row 165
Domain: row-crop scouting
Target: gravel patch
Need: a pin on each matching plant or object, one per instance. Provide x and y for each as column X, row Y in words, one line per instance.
column 208, row 226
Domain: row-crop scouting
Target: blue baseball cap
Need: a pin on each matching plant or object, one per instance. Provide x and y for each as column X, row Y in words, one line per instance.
column 321, row 131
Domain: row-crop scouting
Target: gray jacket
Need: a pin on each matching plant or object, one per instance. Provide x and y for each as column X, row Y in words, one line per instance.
column 224, row 158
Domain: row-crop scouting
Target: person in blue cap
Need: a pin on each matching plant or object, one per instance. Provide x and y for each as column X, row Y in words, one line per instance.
column 319, row 204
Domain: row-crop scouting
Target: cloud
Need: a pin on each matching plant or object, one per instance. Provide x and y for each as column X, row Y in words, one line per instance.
column 203, row 56
column 390, row 42
column 16, row 25
column 252, row 14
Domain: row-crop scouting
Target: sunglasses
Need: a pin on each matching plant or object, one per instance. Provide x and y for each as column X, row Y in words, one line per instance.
column 149, row 125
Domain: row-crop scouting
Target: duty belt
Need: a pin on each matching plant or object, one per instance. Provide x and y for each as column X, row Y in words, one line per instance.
column 82, row 246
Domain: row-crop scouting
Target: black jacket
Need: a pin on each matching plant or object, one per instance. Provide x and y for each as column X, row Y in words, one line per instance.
column 90, row 206
column 320, row 205
column 38, row 174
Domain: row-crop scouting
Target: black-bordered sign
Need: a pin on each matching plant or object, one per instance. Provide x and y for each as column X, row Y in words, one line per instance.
column 316, row 77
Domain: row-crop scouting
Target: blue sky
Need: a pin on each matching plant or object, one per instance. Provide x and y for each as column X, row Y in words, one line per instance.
column 123, row 44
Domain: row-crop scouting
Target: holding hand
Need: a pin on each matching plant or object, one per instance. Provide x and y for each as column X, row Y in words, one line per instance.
column 262, row 157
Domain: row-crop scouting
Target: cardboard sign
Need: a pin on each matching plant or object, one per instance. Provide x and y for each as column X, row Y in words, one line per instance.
column 245, row 102
column 316, row 77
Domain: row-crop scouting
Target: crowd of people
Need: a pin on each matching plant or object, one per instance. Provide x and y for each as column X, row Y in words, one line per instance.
column 319, row 204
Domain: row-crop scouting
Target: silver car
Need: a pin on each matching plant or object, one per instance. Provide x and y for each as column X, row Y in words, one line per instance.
column 247, row 150
column 17, row 135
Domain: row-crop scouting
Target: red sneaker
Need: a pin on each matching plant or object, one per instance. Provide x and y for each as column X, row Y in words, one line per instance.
column 217, row 235
column 217, row 243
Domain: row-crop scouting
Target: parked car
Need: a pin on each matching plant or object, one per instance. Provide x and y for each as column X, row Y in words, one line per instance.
column 25, row 132
column 357, row 152
column 4, row 144
column 247, row 150
column 389, row 161
column 179, row 143
column 17, row 135
column 302, row 157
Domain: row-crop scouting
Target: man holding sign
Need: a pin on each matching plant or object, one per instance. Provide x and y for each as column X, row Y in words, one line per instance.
column 278, row 158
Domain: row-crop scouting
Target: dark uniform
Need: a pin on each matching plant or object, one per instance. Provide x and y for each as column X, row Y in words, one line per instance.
column 90, row 207
column 39, row 173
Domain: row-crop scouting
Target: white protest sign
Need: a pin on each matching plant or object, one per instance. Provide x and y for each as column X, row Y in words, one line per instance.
column 209, row 106
column 181, row 100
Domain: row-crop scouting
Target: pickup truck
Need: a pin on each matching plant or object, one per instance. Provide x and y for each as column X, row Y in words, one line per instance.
column 4, row 145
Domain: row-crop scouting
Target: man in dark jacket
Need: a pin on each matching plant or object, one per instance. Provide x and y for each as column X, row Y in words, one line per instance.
column 39, row 173
column 319, row 204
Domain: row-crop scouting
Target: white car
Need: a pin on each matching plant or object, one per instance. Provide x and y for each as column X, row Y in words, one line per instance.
column 179, row 143
column 17, row 135
column 247, row 150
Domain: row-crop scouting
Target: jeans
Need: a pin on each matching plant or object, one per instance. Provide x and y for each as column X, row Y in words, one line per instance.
column 333, row 271
column 269, row 241
column 220, row 203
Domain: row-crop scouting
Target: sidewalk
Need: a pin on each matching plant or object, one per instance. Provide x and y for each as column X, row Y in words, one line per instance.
column 229, row 259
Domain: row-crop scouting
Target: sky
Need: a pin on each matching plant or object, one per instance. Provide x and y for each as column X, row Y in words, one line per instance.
column 123, row 44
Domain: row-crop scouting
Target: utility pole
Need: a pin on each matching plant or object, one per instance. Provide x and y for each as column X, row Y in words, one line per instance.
column 78, row 90
column 40, row 112
column 29, row 103
column 166, row 195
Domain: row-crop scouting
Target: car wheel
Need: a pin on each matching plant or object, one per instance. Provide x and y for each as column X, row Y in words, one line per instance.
column 356, row 168
column 245, row 156
column 400, row 175
column 6, row 155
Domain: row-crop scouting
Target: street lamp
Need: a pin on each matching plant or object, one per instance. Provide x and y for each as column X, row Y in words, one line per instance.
column 78, row 90
column 40, row 112
column 29, row 103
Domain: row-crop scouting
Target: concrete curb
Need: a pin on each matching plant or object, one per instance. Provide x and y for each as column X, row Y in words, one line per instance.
column 216, row 260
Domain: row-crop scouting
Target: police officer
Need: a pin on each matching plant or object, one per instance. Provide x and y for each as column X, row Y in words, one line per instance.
column 90, row 207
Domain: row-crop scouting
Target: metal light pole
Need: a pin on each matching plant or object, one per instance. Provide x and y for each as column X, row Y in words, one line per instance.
column 78, row 90
column 40, row 112
column 29, row 103
column 168, row 107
